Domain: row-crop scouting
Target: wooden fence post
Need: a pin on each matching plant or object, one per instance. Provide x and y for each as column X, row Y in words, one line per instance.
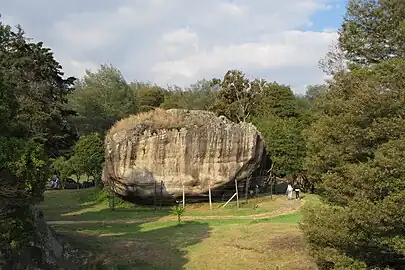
column 229, row 200
column 184, row 198
column 209, row 195
column 237, row 195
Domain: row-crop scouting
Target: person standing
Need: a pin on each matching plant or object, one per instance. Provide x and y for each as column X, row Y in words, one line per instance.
column 289, row 191
column 297, row 192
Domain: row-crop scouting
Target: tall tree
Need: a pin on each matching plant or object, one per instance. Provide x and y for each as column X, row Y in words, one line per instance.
column 285, row 144
column 373, row 31
column 355, row 156
column 236, row 96
column 33, row 115
column 101, row 98
column 89, row 155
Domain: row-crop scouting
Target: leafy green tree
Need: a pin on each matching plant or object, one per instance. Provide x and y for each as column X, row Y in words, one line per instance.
column 199, row 96
column 356, row 154
column 314, row 92
column 149, row 96
column 285, row 144
column 236, row 96
column 100, row 99
column 88, row 156
column 175, row 98
column 373, row 31
column 63, row 169
column 276, row 99
column 76, row 167
column 33, row 113
column 306, row 104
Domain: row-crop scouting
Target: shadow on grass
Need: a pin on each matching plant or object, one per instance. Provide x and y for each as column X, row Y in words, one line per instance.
column 117, row 214
column 59, row 202
column 136, row 245
column 85, row 204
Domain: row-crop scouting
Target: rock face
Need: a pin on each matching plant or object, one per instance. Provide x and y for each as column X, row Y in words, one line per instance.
column 46, row 252
column 161, row 151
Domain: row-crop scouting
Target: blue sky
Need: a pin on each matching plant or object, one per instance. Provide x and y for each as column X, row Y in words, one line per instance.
column 331, row 18
column 182, row 41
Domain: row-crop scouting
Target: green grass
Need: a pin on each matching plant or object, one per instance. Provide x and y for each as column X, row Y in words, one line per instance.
column 86, row 204
column 214, row 244
column 128, row 242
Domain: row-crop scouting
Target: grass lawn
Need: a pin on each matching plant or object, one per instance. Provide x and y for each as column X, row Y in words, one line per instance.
column 210, row 242
column 84, row 204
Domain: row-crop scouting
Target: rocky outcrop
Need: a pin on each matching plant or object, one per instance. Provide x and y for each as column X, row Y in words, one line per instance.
column 46, row 251
column 179, row 148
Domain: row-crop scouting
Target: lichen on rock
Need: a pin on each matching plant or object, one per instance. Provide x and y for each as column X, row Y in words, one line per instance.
column 190, row 148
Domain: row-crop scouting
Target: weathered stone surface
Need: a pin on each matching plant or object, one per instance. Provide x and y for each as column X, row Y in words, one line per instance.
column 45, row 252
column 187, row 148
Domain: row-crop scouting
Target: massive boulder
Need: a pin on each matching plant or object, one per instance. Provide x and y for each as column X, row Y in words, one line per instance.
column 155, row 154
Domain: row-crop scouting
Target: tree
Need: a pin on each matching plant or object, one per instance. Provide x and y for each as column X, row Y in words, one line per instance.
column 101, row 98
column 285, row 144
column 33, row 124
column 149, row 96
column 236, row 95
column 356, row 150
column 276, row 99
column 373, row 31
column 88, row 156
column 62, row 168
column 334, row 61
column 314, row 92
column 199, row 96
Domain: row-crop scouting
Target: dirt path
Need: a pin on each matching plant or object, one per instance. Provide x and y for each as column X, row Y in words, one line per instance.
column 173, row 218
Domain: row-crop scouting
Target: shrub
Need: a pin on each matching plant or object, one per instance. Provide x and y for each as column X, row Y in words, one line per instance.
column 178, row 211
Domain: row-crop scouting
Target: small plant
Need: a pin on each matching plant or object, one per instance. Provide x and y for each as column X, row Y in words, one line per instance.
column 255, row 206
column 178, row 211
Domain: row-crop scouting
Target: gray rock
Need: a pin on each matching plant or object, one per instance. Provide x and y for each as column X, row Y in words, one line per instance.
column 189, row 148
column 45, row 252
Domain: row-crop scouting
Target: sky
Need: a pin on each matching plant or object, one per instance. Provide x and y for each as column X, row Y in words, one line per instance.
column 181, row 41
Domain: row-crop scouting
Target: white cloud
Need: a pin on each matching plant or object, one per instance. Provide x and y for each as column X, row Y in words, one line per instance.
column 231, row 9
column 290, row 49
column 181, row 41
